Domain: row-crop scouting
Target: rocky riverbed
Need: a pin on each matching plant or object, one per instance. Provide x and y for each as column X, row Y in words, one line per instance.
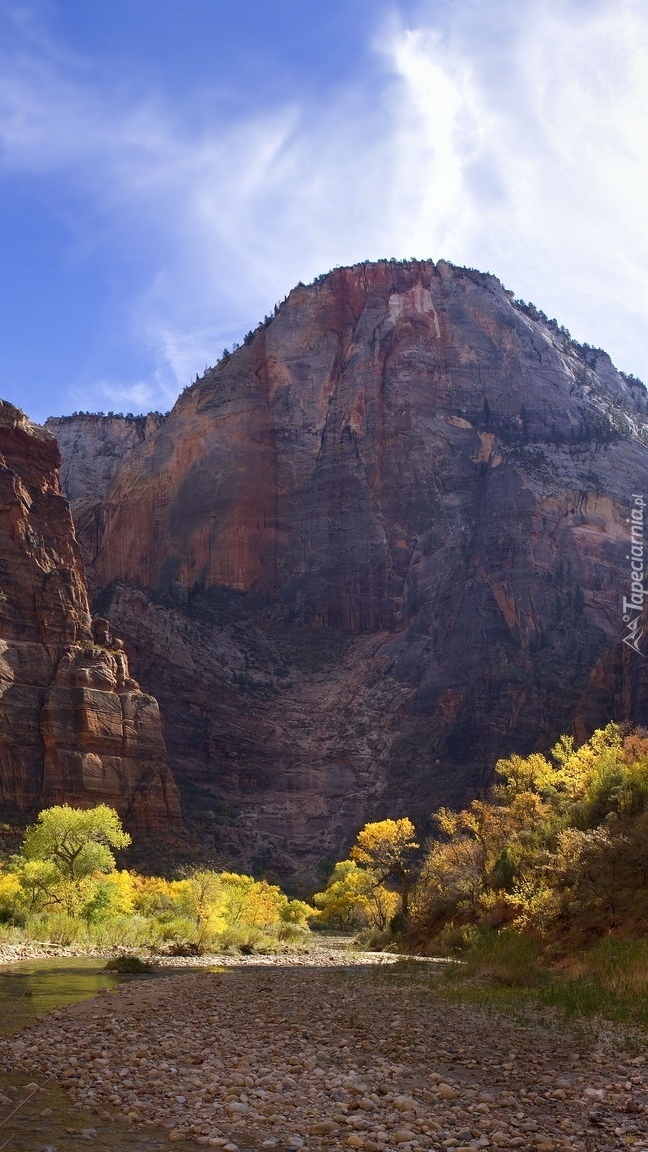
column 315, row 1056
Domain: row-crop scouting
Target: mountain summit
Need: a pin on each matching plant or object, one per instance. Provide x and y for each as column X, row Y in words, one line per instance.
column 383, row 543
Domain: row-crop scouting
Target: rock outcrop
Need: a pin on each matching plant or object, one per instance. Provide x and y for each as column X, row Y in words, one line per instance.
column 375, row 548
column 74, row 726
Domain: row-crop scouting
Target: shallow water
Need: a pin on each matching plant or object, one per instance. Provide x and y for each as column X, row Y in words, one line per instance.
column 28, row 989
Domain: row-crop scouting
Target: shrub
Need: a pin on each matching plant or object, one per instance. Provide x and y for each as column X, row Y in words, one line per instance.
column 173, row 929
column 455, row 939
column 124, row 932
column 247, row 939
column 291, row 933
column 375, row 940
column 184, row 948
column 60, row 928
column 127, row 964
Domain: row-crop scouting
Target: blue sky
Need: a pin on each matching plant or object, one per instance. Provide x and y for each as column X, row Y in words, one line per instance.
column 169, row 169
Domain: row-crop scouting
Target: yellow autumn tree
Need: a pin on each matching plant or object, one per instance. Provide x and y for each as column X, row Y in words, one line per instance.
column 386, row 848
column 11, row 896
column 562, row 839
column 354, row 897
column 344, row 900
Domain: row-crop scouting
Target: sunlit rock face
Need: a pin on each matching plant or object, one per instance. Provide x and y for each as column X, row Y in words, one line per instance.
column 375, row 548
column 74, row 726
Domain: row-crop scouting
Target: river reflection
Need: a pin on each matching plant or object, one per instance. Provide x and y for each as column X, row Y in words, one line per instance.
column 28, row 989
column 31, row 987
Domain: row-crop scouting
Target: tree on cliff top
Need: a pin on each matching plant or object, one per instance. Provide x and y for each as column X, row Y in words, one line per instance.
column 76, row 840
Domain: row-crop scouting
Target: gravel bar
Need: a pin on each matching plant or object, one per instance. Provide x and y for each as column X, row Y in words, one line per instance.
column 327, row 1052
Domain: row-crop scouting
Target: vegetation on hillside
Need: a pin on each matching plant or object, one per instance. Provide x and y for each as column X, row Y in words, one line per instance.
column 540, row 890
column 558, row 851
column 557, row 854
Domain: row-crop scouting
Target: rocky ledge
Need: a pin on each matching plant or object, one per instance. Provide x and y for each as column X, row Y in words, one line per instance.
column 374, row 549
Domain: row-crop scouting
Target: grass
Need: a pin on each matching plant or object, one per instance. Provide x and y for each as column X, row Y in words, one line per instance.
column 506, row 971
column 166, row 933
column 610, row 980
column 506, row 958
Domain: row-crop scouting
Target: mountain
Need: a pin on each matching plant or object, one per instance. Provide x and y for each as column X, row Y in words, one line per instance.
column 74, row 725
column 381, row 544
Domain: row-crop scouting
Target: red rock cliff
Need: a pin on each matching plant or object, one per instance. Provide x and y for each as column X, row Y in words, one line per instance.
column 375, row 548
column 73, row 725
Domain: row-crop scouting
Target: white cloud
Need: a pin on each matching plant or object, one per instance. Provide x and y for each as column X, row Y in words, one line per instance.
column 510, row 137
column 552, row 156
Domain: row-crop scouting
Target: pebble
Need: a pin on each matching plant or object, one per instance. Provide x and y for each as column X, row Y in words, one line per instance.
column 312, row 1057
column 447, row 1092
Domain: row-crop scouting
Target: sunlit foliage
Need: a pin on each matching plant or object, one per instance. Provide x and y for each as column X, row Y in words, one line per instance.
column 76, row 840
column 357, row 893
column 64, row 885
column 561, row 843
column 387, row 848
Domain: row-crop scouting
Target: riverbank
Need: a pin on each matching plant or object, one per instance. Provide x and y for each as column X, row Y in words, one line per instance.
column 322, row 1054
column 321, row 951
column 41, row 950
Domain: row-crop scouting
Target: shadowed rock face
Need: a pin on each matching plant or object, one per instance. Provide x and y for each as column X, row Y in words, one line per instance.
column 377, row 547
column 74, row 727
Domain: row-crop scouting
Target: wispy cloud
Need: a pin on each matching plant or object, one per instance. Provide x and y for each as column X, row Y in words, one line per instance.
column 535, row 115
column 116, row 396
column 509, row 137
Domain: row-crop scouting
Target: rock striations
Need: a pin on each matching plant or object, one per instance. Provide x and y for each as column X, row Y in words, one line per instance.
column 378, row 546
column 73, row 725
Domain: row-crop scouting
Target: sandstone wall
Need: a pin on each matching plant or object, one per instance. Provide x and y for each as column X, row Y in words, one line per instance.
column 74, row 727
column 374, row 549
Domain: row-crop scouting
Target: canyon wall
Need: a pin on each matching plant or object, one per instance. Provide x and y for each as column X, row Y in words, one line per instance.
column 373, row 549
column 74, row 726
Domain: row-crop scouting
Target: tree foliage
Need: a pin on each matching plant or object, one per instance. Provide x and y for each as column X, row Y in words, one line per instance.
column 358, row 892
column 355, row 898
column 65, row 877
column 386, row 848
column 77, row 841
column 562, row 841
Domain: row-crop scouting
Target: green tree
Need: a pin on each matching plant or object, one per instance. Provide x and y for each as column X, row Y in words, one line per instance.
column 38, row 880
column 77, row 841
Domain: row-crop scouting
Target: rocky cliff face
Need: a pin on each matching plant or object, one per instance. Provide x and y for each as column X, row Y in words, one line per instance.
column 73, row 725
column 378, row 546
column 93, row 449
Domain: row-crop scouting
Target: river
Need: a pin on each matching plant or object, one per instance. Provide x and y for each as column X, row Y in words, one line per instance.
column 28, row 989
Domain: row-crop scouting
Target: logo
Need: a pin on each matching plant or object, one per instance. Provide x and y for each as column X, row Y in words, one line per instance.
column 632, row 610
